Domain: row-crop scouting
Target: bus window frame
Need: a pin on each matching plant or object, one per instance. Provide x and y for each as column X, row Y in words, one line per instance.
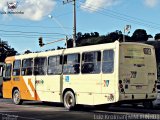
column 79, row 62
column 44, row 69
column 6, row 78
column 16, row 68
column 27, row 66
column 97, row 60
column 105, row 61
column 60, row 63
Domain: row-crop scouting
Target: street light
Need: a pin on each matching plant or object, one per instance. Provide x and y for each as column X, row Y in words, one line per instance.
column 61, row 26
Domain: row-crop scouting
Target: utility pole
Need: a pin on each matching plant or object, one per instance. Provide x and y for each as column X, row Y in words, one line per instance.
column 74, row 19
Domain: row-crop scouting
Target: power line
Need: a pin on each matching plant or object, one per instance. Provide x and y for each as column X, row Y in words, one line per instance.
column 13, row 34
column 123, row 17
column 31, row 32
column 24, row 36
column 32, row 26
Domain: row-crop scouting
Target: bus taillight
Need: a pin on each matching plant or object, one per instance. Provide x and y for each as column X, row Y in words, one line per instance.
column 155, row 86
column 121, row 87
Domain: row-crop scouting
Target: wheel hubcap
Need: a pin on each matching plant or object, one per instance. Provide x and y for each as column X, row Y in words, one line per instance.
column 69, row 101
column 16, row 97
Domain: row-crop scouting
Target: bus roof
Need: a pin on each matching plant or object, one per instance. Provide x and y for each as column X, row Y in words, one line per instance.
column 74, row 50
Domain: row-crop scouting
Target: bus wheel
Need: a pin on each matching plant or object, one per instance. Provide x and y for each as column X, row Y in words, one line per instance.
column 16, row 97
column 69, row 100
column 148, row 104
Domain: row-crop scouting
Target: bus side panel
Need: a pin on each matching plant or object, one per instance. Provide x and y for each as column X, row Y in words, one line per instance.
column 27, row 88
column 48, row 87
column 110, row 80
column 84, row 85
column 24, row 85
column 7, row 89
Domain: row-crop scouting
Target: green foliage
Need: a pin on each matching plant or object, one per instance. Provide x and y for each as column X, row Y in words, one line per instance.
column 6, row 50
column 94, row 38
column 157, row 36
column 139, row 35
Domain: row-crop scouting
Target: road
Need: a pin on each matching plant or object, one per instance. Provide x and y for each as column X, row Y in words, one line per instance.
column 53, row 111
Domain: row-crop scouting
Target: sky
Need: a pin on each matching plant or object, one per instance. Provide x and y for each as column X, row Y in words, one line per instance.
column 52, row 20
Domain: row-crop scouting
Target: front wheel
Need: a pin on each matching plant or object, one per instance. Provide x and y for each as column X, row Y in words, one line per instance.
column 16, row 97
column 69, row 100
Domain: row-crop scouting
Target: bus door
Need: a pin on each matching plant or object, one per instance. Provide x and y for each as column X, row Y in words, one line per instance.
column 88, row 83
column 47, row 79
column 7, row 87
column 28, row 78
column 108, row 75
column 40, row 71
column 54, row 80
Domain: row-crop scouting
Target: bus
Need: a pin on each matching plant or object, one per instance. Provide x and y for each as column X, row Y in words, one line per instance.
column 89, row 75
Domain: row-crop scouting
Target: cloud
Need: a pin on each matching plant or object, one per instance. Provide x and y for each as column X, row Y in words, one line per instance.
column 95, row 5
column 151, row 3
column 33, row 9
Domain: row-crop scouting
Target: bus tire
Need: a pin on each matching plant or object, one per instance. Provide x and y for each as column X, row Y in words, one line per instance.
column 69, row 100
column 148, row 104
column 16, row 97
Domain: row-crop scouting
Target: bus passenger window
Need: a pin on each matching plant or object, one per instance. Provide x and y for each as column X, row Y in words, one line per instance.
column 108, row 61
column 40, row 66
column 27, row 66
column 71, row 64
column 8, row 68
column 91, row 62
column 16, row 67
column 54, row 65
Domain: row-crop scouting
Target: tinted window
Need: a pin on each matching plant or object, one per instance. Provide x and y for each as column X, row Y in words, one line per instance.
column 16, row 67
column 91, row 62
column 27, row 66
column 71, row 64
column 108, row 61
column 54, row 65
column 8, row 71
column 40, row 66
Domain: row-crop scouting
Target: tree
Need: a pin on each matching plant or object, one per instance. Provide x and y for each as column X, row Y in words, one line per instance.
column 139, row 35
column 157, row 36
column 27, row 52
column 6, row 50
column 113, row 36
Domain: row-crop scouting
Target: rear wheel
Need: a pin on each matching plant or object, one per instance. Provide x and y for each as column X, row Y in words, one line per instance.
column 148, row 104
column 16, row 97
column 69, row 100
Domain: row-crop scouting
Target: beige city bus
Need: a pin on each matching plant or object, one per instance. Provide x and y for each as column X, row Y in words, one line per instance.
column 90, row 75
